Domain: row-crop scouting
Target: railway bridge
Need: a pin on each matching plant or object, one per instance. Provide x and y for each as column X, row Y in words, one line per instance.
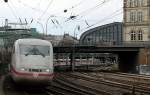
column 129, row 56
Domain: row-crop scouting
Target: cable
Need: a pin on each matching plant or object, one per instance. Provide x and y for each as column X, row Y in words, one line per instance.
column 38, row 4
column 60, row 12
column 116, row 13
column 106, row 18
column 15, row 10
column 46, row 9
column 105, row 1
column 93, row 8
column 76, row 5
column 12, row 11
column 97, row 6
column 28, row 6
column 85, row 12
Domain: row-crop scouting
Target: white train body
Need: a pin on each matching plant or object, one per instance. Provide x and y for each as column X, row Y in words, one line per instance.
column 32, row 61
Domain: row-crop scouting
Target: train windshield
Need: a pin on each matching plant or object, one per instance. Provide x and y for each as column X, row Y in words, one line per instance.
column 34, row 50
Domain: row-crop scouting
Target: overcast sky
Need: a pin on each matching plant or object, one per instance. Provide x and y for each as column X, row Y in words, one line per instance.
column 62, row 16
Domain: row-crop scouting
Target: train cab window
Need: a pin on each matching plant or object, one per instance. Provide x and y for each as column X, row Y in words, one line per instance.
column 35, row 50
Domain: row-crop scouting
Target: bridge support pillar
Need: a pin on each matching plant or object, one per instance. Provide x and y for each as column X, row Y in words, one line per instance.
column 144, row 61
column 72, row 63
column 144, row 56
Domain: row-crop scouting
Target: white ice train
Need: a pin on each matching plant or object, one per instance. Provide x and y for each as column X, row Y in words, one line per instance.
column 32, row 61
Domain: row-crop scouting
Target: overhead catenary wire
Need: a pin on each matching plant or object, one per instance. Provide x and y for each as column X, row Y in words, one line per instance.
column 46, row 9
column 13, row 6
column 54, row 11
column 66, row 9
column 87, row 11
column 93, row 8
column 28, row 6
column 12, row 11
column 60, row 22
column 114, row 14
column 75, row 17
column 76, row 5
column 33, row 8
column 81, row 14
column 15, row 11
column 38, row 4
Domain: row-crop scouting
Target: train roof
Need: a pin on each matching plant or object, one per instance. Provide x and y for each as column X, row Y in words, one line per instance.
column 32, row 41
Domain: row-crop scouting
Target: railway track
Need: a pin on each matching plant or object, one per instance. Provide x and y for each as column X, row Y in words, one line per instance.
column 131, row 86
column 40, row 91
column 60, row 86
column 67, row 86
column 58, row 89
column 92, row 84
column 80, row 84
column 9, row 88
column 134, row 76
column 123, row 78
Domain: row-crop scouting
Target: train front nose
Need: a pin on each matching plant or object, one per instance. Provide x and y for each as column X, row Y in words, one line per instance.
column 34, row 79
column 32, row 76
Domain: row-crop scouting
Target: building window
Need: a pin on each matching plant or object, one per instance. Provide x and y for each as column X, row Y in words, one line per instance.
column 140, row 2
column 135, row 3
column 131, row 2
column 133, row 36
column 88, row 39
column 140, row 16
column 140, row 35
column 133, row 16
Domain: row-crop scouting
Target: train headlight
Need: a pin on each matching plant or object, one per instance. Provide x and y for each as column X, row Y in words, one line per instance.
column 22, row 69
column 47, row 70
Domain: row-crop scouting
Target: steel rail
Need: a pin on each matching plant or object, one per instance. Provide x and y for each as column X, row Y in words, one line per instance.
column 141, row 89
column 87, row 89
